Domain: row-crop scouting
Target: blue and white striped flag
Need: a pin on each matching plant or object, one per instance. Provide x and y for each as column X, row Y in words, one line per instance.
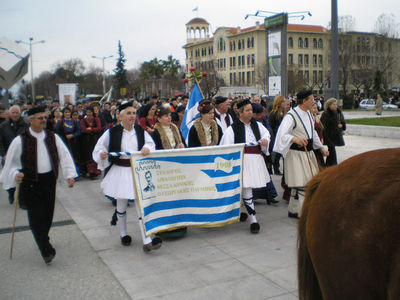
column 191, row 112
column 198, row 187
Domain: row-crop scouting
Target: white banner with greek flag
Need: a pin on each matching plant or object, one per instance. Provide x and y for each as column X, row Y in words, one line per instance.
column 189, row 187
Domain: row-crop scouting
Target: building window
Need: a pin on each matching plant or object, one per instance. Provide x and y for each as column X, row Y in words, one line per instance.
column 290, row 59
column 290, row 42
column 300, row 59
column 243, row 45
column 315, row 44
column 239, row 44
column 252, row 42
column 253, row 60
column 320, row 60
column 248, row 42
column 248, row 78
column 314, row 59
column 314, row 75
column 248, row 59
column 307, row 76
column 234, row 45
column 224, row 63
column 320, row 44
column 306, row 61
column 234, row 62
column 239, row 61
column 320, row 76
column 234, row 78
column 243, row 78
column 243, row 62
column 240, row 78
column 306, row 43
column 300, row 43
column 230, row 62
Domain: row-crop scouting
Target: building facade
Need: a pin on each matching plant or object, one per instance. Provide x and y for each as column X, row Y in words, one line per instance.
column 238, row 57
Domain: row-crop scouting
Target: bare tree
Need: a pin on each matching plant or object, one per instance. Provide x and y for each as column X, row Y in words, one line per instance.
column 262, row 76
column 296, row 81
column 211, row 84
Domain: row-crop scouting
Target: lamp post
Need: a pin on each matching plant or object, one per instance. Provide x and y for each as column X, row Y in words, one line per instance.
column 103, row 58
column 30, row 43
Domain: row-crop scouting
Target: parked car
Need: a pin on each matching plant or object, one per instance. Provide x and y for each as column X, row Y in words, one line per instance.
column 367, row 104
column 370, row 105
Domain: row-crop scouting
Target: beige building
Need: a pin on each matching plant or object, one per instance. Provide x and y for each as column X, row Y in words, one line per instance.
column 238, row 56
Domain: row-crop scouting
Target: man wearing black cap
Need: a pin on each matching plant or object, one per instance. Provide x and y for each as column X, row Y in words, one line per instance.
column 295, row 140
column 34, row 160
column 255, row 173
column 223, row 118
column 118, row 183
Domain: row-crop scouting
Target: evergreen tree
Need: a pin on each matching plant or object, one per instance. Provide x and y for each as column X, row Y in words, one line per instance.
column 120, row 73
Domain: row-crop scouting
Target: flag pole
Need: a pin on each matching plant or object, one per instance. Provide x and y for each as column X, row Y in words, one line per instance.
column 195, row 78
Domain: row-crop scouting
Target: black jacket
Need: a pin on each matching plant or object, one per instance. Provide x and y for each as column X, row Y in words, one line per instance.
column 333, row 135
column 8, row 131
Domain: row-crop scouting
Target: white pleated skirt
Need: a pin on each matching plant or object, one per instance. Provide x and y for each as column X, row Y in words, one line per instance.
column 118, row 183
column 255, row 173
column 297, row 168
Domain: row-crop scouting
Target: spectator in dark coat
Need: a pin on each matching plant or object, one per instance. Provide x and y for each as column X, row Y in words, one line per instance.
column 333, row 126
column 8, row 131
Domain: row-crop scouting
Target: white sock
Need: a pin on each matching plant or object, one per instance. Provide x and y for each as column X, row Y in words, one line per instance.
column 121, row 215
column 145, row 239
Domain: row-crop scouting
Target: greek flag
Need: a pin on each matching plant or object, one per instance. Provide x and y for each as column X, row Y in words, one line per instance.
column 191, row 112
column 193, row 187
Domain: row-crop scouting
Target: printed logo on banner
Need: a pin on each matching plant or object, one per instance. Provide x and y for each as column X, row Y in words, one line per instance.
column 144, row 172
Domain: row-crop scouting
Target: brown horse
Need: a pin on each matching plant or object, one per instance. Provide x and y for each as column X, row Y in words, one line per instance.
column 349, row 230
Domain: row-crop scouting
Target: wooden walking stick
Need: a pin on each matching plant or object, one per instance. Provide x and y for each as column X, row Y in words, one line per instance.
column 16, row 196
column 309, row 161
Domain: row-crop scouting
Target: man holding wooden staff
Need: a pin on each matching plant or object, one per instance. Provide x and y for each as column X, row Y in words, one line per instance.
column 34, row 160
column 295, row 140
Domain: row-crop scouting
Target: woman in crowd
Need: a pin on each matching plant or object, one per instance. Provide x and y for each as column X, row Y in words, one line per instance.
column 179, row 114
column 54, row 119
column 167, row 136
column 91, row 128
column 205, row 130
column 98, row 114
column 147, row 119
column 69, row 131
column 279, row 110
column 333, row 126
column 318, row 128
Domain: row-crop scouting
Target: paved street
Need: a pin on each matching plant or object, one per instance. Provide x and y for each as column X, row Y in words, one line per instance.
column 209, row 263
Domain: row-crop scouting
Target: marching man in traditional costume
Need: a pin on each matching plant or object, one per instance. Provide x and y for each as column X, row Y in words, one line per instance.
column 255, row 173
column 295, row 140
column 118, row 183
column 34, row 160
column 221, row 114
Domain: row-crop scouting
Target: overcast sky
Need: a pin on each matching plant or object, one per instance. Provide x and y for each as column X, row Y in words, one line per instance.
column 149, row 28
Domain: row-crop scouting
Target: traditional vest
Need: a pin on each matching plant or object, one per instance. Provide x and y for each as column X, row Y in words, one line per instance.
column 301, row 131
column 239, row 131
column 29, row 154
column 116, row 138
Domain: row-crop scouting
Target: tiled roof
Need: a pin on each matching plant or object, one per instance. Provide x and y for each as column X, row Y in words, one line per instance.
column 197, row 20
column 306, row 28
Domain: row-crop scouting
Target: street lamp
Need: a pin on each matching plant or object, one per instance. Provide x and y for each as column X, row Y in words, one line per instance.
column 103, row 58
column 30, row 43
